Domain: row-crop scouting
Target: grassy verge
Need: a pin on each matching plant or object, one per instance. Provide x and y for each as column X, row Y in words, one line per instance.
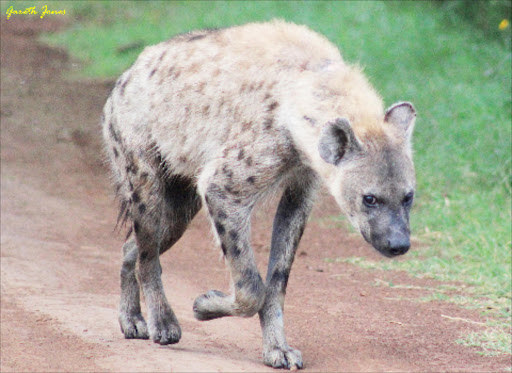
column 458, row 79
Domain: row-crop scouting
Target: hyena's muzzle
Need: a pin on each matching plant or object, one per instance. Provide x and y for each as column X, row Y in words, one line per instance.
column 389, row 232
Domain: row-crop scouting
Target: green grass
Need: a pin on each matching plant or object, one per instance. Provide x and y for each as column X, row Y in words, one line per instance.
column 458, row 79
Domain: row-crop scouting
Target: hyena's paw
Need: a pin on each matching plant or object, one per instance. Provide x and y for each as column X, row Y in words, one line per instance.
column 165, row 329
column 133, row 326
column 287, row 358
column 212, row 305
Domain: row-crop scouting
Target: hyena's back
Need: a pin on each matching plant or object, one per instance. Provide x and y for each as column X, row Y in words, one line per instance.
column 197, row 94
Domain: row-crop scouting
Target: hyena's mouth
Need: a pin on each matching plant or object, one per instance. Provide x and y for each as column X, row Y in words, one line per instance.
column 387, row 247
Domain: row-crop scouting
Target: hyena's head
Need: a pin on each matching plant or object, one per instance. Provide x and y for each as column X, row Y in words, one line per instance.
column 374, row 182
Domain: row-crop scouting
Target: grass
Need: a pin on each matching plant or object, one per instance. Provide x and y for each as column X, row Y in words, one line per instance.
column 495, row 336
column 457, row 77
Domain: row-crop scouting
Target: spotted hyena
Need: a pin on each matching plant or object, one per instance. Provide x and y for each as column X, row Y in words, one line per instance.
column 221, row 118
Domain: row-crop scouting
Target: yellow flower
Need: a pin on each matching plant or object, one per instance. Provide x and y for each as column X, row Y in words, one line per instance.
column 503, row 24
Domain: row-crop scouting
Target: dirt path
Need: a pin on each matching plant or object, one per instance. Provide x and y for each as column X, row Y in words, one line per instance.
column 60, row 259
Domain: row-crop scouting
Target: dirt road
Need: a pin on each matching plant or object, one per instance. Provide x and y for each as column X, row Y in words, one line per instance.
column 60, row 259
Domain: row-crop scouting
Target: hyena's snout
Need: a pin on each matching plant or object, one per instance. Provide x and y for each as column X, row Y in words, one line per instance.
column 391, row 244
column 397, row 244
column 391, row 237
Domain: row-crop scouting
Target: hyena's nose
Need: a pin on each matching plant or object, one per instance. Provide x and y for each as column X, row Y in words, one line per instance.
column 398, row 245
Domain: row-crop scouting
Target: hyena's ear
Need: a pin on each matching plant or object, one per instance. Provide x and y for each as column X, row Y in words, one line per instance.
column 337, row 141
column 402, row 116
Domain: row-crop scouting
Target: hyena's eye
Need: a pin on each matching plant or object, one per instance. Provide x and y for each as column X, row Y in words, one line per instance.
column 408, row 199
column 370, row 200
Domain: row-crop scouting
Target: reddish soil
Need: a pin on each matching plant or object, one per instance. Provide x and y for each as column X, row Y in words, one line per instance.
column 60, row 259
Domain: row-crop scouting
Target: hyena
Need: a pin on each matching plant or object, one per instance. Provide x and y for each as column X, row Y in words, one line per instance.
column 221, row 118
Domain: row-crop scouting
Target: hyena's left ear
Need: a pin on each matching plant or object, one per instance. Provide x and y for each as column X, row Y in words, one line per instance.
column 402, row 116
column 337, row 141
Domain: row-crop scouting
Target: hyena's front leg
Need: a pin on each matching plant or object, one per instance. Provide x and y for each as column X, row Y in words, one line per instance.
column 230, row 214
column 289, row 224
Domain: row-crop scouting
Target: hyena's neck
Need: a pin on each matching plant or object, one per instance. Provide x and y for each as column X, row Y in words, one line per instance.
column 320, row 97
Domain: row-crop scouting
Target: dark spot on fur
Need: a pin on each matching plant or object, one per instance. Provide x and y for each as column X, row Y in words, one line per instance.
column 142, row 208
column 241, row 154
column 116, row 153
column 267, row 96
column 144, row 177
column 233, row 235
column 255, row 87
column 124, row 213
column 135, row 197
column 130, row 185
column 158, row 159
column 222, row 215
column 246, row 126
column 152, row 72
column 251, row 179
column 143, row 255
column 235, row 252
column 267, row 124
column 129, row 233
column 194, row 68
column 248, row 161
column 272, row 106
column 196, row 37
column 237, row 201
column 113, row 132
column 207, row 199
column 229, row 189
column 206, row 109
column 250, row 280
column 220, row 228
column 214, row 187
column 183, row 159
column 132, row 168
column 224, row 250
column 310, row 120
column 280, row 277
column 123, row 86
column 136, row 226
column 227, row 171
column 162, row 56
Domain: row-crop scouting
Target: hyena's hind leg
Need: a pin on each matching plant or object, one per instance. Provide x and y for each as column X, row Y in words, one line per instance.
column 160, row 216
column 289, row 223
column 131, row 321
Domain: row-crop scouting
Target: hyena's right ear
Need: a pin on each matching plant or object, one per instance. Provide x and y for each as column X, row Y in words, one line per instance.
column 337, row 140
